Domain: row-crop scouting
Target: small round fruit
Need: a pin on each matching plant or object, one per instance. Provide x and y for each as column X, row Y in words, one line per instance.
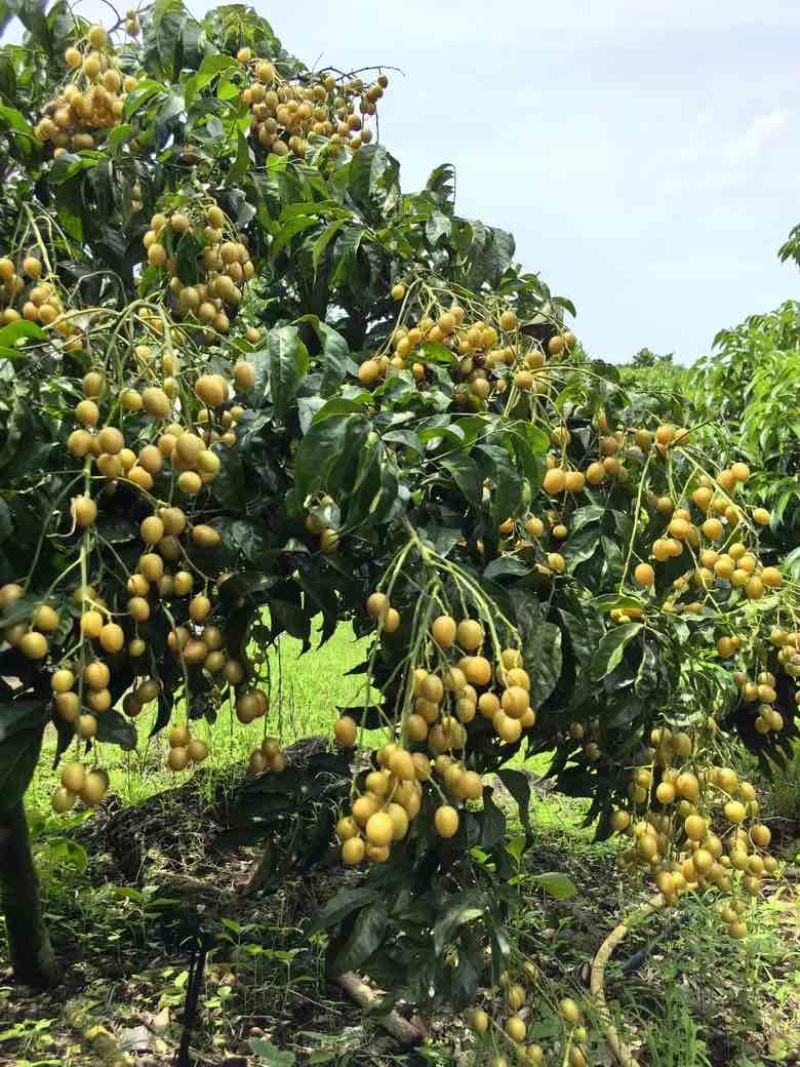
column 63, row 800
column 345, row 731
column 73, row 776
column 444, row 630
column 353, row 851
column 94, row 788
column 33, row 645
column 380, row 829
column 178, row 759
column 445, row 821
column 197, row 749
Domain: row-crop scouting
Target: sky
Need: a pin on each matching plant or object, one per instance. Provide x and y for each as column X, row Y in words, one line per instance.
column 645, row 153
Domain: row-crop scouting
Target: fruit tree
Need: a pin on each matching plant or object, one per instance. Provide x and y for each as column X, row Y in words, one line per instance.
column 249, row 381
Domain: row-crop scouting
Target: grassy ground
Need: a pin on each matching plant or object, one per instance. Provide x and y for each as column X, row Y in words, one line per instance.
column 683, row 993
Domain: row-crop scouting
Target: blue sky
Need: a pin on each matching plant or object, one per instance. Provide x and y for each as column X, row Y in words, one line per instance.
column 645, row 153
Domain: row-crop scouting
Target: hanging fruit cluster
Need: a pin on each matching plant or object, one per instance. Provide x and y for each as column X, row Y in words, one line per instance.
column 502, row 1023
column 484, row 359
column 91, row 102
column 469, row 683
column 695, row 826
column 77, row 782
column 25, row 294
column 207, row 264
column 285, row 116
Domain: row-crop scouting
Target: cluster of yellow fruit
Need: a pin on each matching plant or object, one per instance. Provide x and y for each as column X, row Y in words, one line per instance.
column 442, row 703
column 284, row 115
column 78, row 783
column 41, row 303
column 94, row 100
column 268, row 757
column 184, row 749
column 698, row 828
column 768, row 718
column 507, row 1026
column 189, row 453
column 223, row 265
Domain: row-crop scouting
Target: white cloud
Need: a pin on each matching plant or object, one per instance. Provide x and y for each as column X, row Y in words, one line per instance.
column 762, row 131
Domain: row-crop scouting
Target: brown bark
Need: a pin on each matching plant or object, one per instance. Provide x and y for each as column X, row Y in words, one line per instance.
column 29, row 943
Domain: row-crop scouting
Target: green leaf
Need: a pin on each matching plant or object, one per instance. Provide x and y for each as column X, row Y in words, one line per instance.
column 366, row 936
column 516, row 782
column 324, row 239
column 342, row 904
column 22, row 724
column 465, row 473
column 541, row 648
column 464, row 908
column 612, row 645
column 555, row 884
column 270, row 1055
column 326, row 450
column 288, row 365
column 113, row 728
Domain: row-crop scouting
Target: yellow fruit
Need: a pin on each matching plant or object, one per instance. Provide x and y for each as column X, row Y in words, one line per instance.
column 377, row 606
column 45, row 619
column 244, row 376
column 33, row 645
column 380, row 829
column 112, row 637
column 63, row 800
column 197, row 750
column 211, row 389
column 516, row 1028
column 445, row 821
column 353, row 851
column 644, row 575
column 205, row 536
column 178, row 758
column 569, row 1011
column 345, row 731
column 443, row 631
column 469, row 635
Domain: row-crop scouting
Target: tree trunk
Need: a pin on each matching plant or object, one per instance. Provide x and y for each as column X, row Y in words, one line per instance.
column 29, row 944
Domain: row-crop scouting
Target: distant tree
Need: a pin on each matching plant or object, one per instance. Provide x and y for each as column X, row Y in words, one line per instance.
column 645, row 357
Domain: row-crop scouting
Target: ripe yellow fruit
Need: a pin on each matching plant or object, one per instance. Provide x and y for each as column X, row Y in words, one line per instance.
column 63, row 800
column 445, row 821
column 73, row 776
column 516, row 1028
column 84, row 510
column 45, row 619
column 178, row 758
column 197, row 750
column 33, row 645
column 762, row 516
column 569, row 1011
column 205, row 536
column 97, row 37
column 112, row 637
column 110, row 440
column 644, row 575
column 369, row 372
column 444, row 630
column 398, row 291
column 555, row 481
column 469, row 635
column 244, row 376
column 211, row 389
column 353, row 851
column 345, row 731
column 151, row 530
column 377, row 606
column 380, row 829
column 97, row 675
